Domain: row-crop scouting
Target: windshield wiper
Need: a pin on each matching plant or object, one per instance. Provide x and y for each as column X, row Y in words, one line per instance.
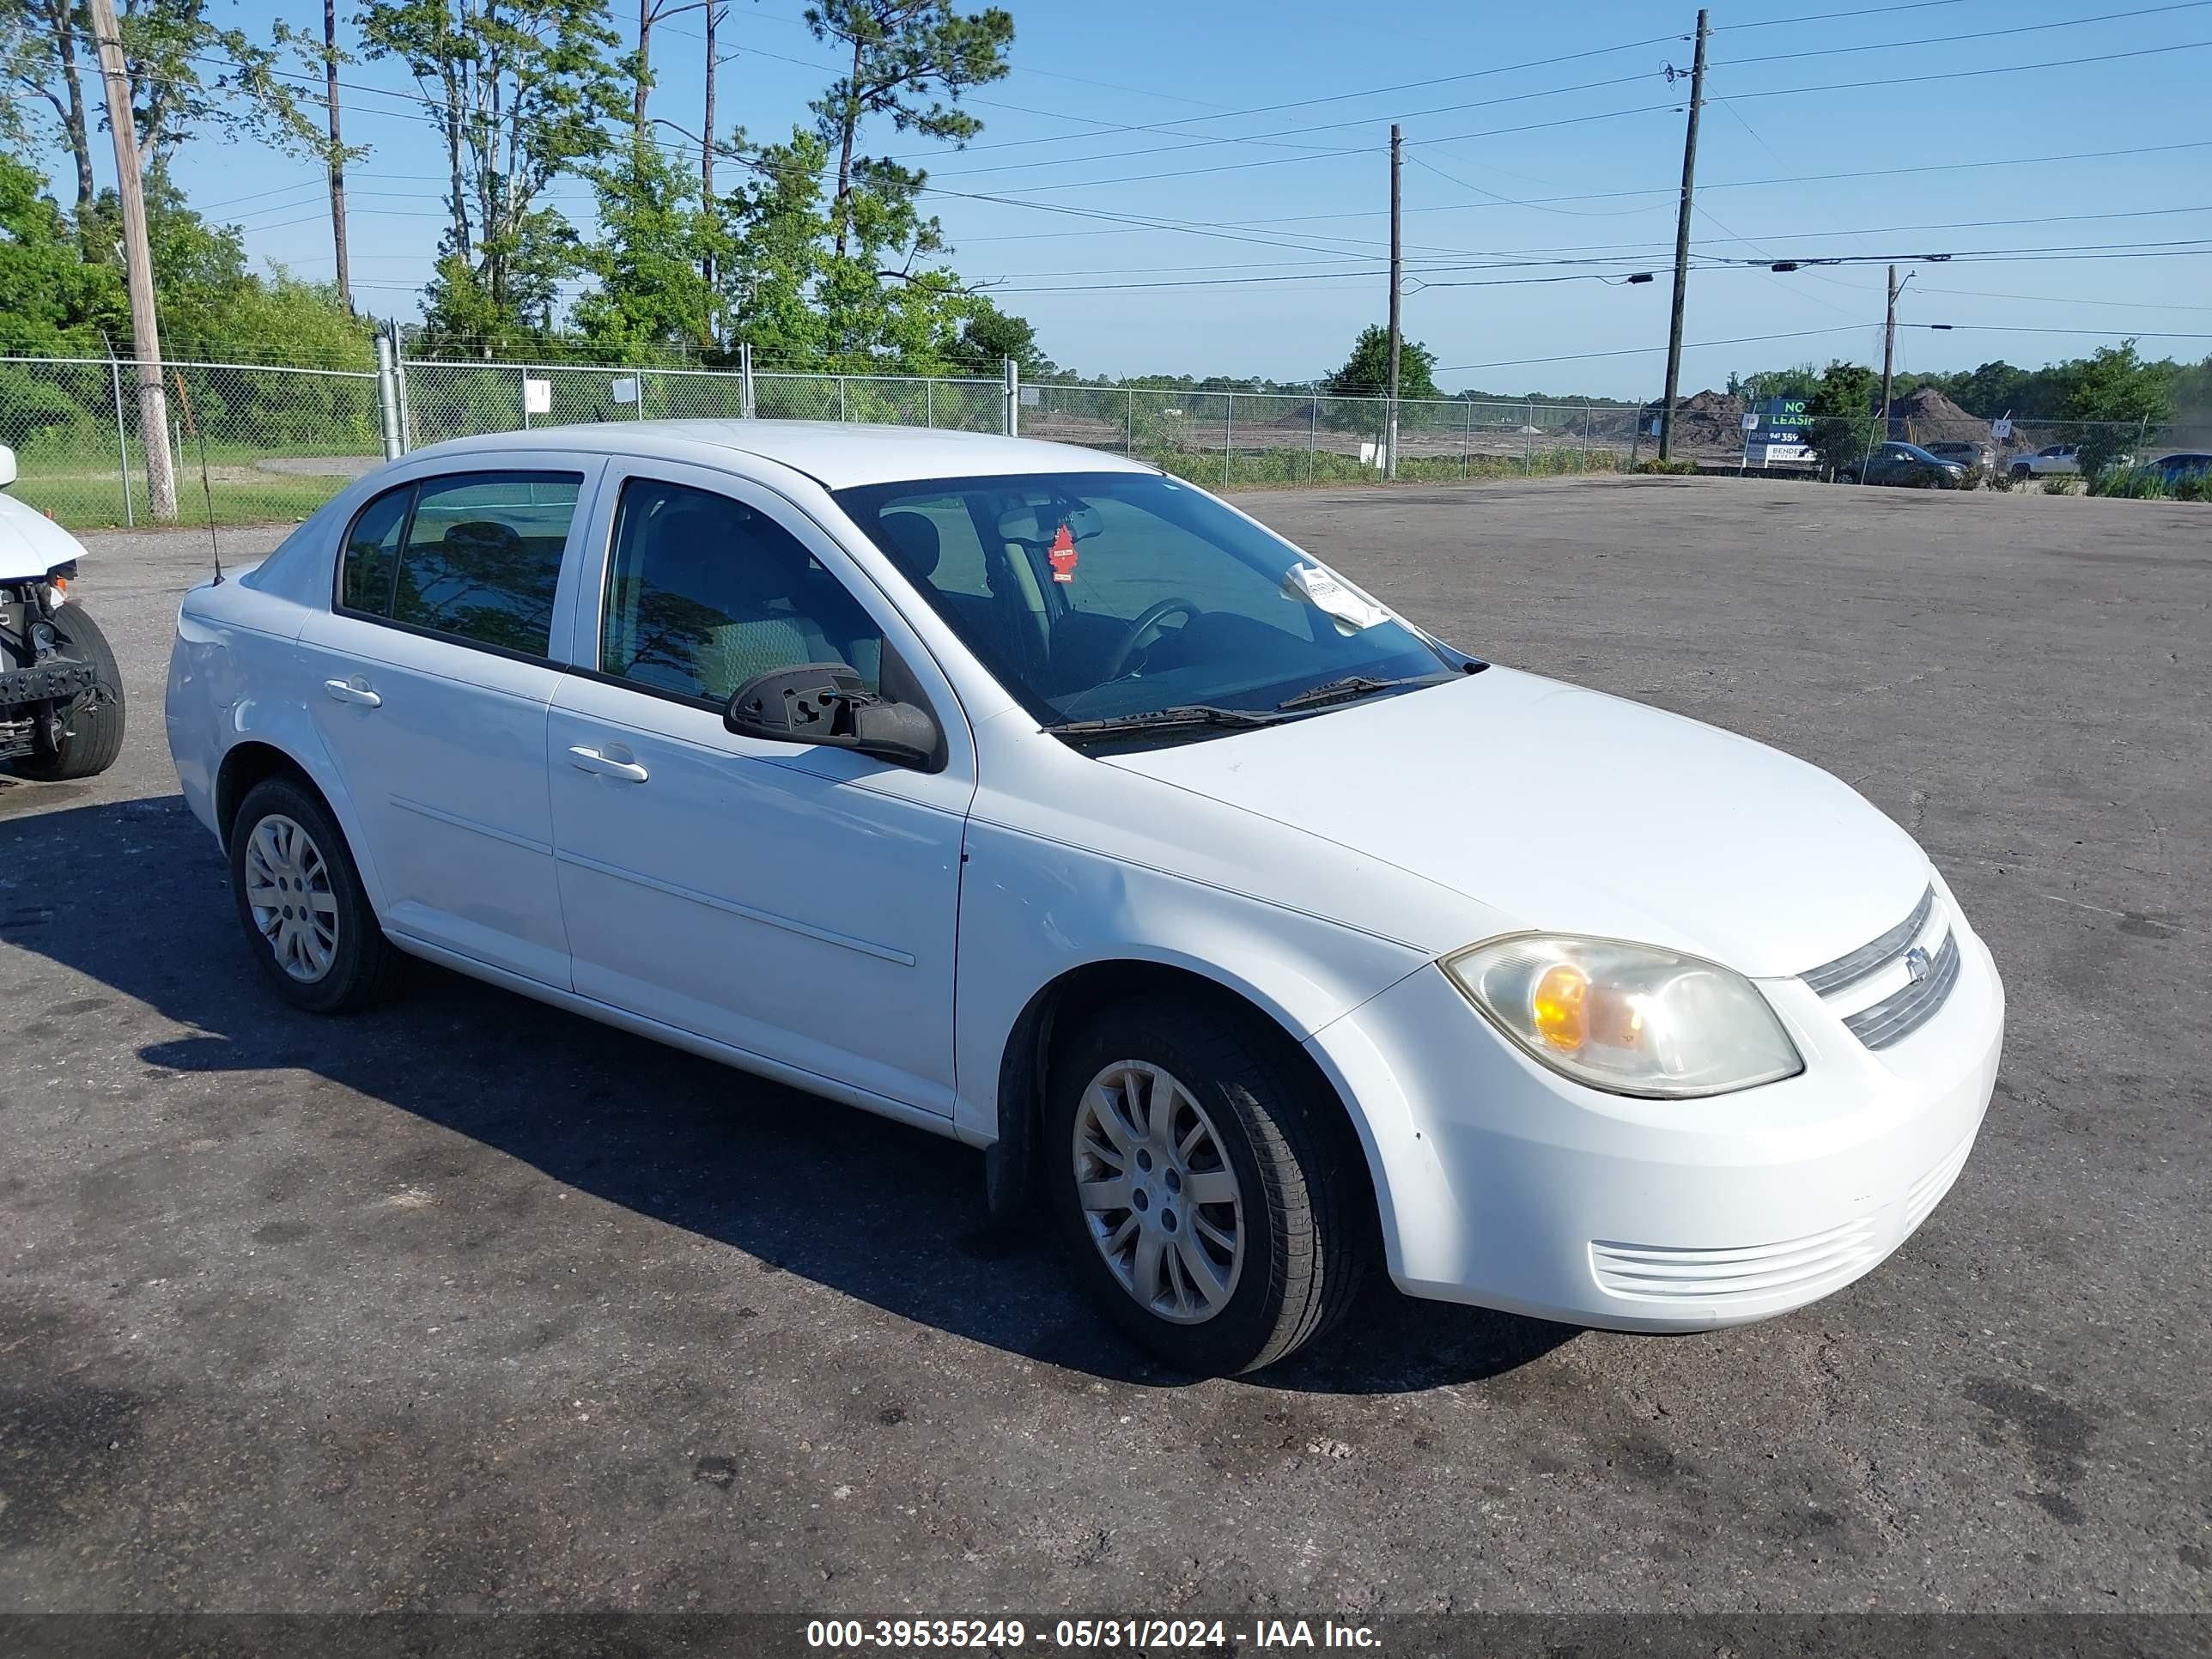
column 1162, row 720
column 1354, row 686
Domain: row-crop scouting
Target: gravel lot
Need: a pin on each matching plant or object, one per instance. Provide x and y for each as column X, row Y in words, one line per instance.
column 466, row 1305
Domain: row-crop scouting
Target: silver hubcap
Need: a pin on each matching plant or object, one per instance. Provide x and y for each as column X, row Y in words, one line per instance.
column 1158, row 1194
column 288, row 885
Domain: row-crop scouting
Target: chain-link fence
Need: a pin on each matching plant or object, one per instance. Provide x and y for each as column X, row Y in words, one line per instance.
column 280, row 441
column 275, row 443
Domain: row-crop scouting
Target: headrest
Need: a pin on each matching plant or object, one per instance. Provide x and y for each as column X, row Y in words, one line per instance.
column 485, row 534
column 914, row 545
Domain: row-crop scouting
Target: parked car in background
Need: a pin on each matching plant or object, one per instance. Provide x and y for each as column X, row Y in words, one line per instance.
column 1905, row 465
column 61, row 696
column 2052, row 461
column 1027, row 795
column 2184, row 465
column 1967, row 454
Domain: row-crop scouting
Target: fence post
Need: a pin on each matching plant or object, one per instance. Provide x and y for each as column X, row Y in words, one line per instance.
column 1467, row 443
column 1586, row 421
column 399, row 390
column 524, row 372
column 929, row 403
column 387, row 398
column 1313, row 432
column 1529, row 441
column 641, row 394
column 1013, row 423
column 746, row 380
column 1129, row 420
column 841, row 396
column 1228, row 435
column 122, row 443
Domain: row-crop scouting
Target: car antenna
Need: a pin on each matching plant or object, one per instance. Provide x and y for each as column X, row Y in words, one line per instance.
column 207, row 489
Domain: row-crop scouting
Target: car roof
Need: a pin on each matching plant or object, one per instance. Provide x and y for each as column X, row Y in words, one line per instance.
column 834, row 454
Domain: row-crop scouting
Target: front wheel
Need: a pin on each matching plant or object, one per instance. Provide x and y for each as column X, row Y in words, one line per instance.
column 1210, row 1193
column 92, row 734
column 300, row 901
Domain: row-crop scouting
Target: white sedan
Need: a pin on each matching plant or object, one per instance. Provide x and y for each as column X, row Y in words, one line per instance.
column 1026, row 795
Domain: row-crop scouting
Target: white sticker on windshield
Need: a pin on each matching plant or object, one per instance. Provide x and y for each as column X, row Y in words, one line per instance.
column 1350, row 610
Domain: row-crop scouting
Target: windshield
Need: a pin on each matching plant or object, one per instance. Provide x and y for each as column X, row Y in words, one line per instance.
column 1096, row 595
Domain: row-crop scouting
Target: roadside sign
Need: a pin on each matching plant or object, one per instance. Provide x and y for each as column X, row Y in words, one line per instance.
column 536, row 396
column 623, row 391
column 1751, row 421
column 2000, row 428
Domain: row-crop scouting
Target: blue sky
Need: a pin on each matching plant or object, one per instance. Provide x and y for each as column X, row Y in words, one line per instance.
column 1300, row 201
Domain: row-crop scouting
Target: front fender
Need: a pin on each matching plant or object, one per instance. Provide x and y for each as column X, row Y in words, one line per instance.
column 1033, row 910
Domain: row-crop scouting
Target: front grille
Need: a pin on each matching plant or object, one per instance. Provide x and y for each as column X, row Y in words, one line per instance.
column 1870, row 958
column 1743, row 1274
column 1897, row 1017
column 1905, row 1008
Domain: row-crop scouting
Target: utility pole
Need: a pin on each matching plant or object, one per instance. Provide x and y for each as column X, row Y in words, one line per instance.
column 338, row 151
column 1889, row 344
column 145, row 333
column 1682, row 248
column 1390, row 416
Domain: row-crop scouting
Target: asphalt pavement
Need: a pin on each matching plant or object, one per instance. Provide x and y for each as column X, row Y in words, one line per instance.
column 468, row 1305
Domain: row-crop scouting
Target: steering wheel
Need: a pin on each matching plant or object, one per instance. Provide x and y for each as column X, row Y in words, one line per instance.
column 1126, row 646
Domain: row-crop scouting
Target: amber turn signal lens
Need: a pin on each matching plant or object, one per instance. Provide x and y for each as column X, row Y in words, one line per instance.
column 1558, row 1008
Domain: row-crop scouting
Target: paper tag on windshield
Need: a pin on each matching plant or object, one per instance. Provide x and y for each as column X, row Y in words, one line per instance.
column 1349, row 611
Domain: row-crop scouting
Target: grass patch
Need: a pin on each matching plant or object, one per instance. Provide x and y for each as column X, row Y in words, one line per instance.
column 87, row 501
column 1249, row 469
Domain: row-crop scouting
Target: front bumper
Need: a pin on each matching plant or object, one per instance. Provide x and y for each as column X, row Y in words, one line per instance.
column 1503, row 1184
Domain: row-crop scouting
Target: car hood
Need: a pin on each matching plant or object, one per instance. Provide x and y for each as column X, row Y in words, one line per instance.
column 1574, row 812
column 30, row 543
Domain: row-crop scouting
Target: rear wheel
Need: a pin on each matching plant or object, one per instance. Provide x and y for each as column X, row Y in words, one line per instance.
column 92, row 736
column 1211, row 1195
column 300, row 901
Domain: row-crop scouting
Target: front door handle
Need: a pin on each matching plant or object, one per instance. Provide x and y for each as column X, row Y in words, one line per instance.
column 590, row 760
column 347, row 692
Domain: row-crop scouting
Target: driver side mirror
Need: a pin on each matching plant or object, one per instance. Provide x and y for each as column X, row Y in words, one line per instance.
column 828, row 704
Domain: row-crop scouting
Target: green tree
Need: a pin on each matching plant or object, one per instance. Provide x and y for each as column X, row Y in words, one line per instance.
column 1366, row 373
column 990, row 336
column 1842, row 407
column 902, row 53
column 2116, row 388
column 42, row 62
column 53, row 302
column 656, row 245
column 519, row 92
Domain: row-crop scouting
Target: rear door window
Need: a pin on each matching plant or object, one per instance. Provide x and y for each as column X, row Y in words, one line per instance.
column 482, row 558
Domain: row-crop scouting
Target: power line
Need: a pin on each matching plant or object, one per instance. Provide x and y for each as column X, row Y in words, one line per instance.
column 1831, row 16
column 1645, row 350
column 1971, row 75
column 1976, row 35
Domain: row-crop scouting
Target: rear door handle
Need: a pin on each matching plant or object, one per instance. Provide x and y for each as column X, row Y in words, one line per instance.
column 590, row 760
column 347, row 692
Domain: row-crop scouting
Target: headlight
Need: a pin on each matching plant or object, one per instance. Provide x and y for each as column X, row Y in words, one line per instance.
column 1631, row 1019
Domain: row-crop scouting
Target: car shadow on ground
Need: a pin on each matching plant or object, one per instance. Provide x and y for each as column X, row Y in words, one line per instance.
column 134, row 896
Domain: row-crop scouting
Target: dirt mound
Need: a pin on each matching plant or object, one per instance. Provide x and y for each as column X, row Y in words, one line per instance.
column 1928, row 414
column 1706, row 420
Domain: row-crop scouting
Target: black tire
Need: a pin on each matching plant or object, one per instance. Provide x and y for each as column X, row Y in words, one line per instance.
column 2022, row 474
column 93, row 736
column 1847, row 477
column 1307, row 1211
column 361, row 962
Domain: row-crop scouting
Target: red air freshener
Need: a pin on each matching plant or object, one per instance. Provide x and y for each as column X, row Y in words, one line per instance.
column 1061, row 556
